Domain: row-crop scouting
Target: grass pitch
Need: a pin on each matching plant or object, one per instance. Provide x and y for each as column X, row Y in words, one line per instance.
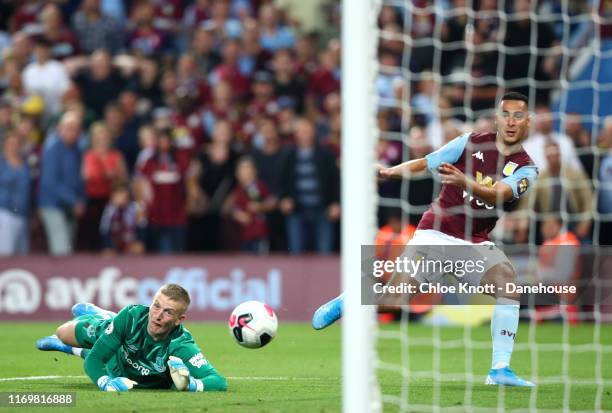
column 300, row 371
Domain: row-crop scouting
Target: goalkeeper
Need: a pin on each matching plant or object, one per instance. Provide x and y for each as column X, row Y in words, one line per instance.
column 141, row 346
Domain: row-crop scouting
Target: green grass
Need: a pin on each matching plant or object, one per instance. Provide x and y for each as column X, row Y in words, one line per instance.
column 300, row 372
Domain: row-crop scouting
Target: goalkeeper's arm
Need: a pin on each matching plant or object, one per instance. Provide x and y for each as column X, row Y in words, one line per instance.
column 195, row 373
column 102, row 351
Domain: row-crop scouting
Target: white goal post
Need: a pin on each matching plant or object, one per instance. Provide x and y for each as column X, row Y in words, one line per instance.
column 359, row 65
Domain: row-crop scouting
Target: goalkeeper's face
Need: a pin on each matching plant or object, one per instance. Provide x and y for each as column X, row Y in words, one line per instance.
column 164, row 315
column 512, row 121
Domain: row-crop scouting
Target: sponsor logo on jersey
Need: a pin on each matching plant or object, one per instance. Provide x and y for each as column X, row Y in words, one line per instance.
column 522, row 186
column 135, row 365
column 198, row 360
column 132, row 348
column 478, row 155
column 509, row 168
column 482, row 180
column 510, row 334
column 109, row 329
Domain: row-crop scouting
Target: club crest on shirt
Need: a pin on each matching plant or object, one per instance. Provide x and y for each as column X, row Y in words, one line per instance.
column 522, row 186
column 509, row 168
column 159, row 364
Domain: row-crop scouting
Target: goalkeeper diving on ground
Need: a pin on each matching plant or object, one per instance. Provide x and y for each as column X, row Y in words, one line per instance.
column 482, row 174
column 141, row 346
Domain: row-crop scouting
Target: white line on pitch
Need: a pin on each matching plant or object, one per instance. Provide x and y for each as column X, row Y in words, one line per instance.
column 229, row 378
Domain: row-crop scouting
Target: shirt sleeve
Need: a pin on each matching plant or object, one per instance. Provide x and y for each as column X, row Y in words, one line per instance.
column 200, row 368
column 521, row 180
column 106, row 346
column 450, row 153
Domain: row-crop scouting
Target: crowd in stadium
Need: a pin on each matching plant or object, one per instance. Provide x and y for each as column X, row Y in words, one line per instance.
column 205, row 125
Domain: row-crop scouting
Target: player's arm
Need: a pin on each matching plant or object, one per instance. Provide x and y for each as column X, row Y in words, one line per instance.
column 450, row 153
column 102, row 351
column 403, row 170
column 509, row 188
column 191, row 371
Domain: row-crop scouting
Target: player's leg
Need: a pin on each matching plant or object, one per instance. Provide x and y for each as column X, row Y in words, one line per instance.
column 331, row 311
column 76, row 336
column 80, row 309
column 63, row 340
column 328, row 313
column 504, row 325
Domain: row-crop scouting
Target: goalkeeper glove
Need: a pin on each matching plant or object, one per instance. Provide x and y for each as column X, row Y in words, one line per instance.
column 181, row 377
column 105, row 383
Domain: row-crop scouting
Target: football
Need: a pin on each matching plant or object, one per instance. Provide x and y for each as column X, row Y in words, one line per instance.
column 253, row 324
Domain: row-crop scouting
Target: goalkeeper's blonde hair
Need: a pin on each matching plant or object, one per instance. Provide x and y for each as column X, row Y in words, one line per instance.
column 177, row 293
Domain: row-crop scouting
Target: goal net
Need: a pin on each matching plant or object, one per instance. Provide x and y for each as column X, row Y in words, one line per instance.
column 418, row 73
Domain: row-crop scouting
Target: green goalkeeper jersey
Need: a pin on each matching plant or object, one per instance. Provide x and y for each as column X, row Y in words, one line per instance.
column 125, row 349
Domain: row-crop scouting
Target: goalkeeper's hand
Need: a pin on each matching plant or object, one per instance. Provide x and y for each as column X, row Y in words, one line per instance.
column 181, row 377
column 105, row 383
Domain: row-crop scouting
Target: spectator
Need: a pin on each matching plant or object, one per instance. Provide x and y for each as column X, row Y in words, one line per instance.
column 423, row 100
column 195, row 15
column 324, row 80
column 222, row 24
column 147, row 138
column 253, row 56
column 214, row 172
column 251, row 202
column 6, row 113
column 310, row 193
column 15, row 184
column 122, row 223
column 604, row 207
column 582, row 142
column 96, row 30
column 273, row 34
column 422, row 188
column 269, row 156
column 146, row 39
column 127, row 140
column 100, row 83
column 222, row 107
column 562, row 190
column 46, row 77
column 230, row 71
column 536, row 143
column 61, row 193
column 64, row 43
column 21, row 49
column 203, row 50
column 518, row 37
column 145, row 82
column 103, row 167
column 286, row 84
column 166, row 175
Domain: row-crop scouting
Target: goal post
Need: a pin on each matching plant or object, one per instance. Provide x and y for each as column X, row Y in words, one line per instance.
column 359, row 63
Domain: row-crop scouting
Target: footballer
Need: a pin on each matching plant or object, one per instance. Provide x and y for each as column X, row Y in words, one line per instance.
column 140, row 346
column 478, row 171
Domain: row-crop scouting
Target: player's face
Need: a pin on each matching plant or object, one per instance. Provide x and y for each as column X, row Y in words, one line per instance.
column 512, row 121
column 164, row 315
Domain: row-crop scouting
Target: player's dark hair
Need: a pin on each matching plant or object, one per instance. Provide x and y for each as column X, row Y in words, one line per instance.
column 515, row 96
column 177, row 293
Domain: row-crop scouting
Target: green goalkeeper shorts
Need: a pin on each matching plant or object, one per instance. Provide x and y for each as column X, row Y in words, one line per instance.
column 89, row 328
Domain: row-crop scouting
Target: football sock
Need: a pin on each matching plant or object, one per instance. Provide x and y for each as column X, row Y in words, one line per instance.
column 503, row 331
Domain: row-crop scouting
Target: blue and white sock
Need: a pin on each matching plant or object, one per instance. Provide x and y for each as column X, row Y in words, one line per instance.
column 503, row 331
